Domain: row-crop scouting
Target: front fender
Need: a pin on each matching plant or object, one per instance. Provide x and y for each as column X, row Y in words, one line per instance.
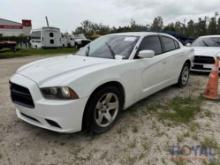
column 129, row 79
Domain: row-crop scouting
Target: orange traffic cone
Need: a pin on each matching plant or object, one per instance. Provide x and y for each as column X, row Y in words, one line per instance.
column 211, row 91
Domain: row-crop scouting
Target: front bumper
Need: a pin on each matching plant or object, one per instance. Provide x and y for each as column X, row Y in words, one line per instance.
column 56, row 115
column 205, row 68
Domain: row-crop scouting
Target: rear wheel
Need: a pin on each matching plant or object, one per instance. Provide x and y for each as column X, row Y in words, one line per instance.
column 184, row 75
column 103, row 109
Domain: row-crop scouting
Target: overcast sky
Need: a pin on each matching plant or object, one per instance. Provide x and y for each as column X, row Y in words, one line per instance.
column 68, row 14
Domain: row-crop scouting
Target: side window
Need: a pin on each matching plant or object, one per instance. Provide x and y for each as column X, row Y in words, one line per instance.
column 168, row 44
column 151, row 43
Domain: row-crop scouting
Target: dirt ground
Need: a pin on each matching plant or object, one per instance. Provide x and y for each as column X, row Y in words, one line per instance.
column 137, row 138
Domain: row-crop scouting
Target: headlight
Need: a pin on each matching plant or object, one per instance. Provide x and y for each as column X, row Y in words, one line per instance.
column 63, row 93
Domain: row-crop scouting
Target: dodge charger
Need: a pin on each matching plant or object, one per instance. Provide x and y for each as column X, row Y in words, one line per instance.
column 88, row 90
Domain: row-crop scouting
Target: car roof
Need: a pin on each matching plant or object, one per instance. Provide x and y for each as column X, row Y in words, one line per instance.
column 143, row 34
column 210, row 36
column 140, row 34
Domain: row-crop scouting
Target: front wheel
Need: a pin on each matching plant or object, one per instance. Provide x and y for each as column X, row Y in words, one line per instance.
column 103, row 109
column 184, row 75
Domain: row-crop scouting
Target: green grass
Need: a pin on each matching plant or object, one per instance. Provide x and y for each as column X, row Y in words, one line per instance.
column 182, row 109
column 7, row 53
column 213, row 144
column 214, row 163
column 210, row 143
column 180, row 162
column 177, row 110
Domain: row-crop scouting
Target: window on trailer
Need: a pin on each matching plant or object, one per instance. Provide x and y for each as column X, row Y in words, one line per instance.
column 51, row 34
column 52, row 41
column 36, row 35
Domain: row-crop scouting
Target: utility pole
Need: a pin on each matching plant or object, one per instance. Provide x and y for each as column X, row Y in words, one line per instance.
column 47, row 21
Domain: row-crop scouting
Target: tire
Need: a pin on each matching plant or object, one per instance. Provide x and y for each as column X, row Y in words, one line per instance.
column 184, row 75
column 99, row 117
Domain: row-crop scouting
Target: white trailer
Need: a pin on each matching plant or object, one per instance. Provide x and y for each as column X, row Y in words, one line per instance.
column 68, row 40
column 71, row 41
column 46, row 37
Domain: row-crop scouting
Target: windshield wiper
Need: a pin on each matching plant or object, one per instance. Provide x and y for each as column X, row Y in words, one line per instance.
column 205, row 43
column 111, row 50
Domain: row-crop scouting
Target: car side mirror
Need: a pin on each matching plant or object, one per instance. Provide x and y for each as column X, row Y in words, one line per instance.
column 188, row 44
column 146, row 54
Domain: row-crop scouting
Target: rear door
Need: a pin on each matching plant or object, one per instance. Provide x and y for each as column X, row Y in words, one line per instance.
column 174, row 57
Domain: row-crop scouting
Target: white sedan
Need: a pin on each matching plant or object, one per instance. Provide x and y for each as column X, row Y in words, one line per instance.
column 88, row 90
column 206, row 49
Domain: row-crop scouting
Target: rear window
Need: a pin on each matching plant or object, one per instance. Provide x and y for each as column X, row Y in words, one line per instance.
column 168, row 44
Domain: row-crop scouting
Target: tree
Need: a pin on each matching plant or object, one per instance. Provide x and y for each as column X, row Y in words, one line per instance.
column 89, row 28
column 132, row 23
column 201, row 27
column 190, row 31
column 157, row 24
column 179, row 27
column 212, row 28
column 218, row 26
column 170, row 27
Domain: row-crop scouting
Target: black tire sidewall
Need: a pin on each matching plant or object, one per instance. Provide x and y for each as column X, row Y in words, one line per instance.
column 180, row 84
column 92, row 125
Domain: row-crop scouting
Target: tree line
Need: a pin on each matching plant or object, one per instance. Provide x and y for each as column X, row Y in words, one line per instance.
column 193, row 29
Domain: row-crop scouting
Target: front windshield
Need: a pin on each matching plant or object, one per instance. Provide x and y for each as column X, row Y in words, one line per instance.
column 109, row 46
column 207, row 42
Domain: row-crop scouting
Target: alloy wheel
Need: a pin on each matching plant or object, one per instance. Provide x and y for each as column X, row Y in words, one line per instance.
column 185, row 75
column 106, row 109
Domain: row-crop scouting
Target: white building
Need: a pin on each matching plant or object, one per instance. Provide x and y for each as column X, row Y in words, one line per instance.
column 11, row 28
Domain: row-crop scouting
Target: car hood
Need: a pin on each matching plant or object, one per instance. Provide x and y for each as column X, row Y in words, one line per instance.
column 46, row 69
column 207, row 51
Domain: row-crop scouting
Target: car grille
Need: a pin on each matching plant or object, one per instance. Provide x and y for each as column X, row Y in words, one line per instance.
column 204, row 60
column 21, row 95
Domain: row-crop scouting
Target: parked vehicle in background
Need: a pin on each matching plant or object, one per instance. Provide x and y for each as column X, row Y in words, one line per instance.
column 80, row 40
column 182, row 38
column 8, row 44
column 206, row 49
column 88, row 90
column 64, row 42
column 71, row 41
column 46, row 37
